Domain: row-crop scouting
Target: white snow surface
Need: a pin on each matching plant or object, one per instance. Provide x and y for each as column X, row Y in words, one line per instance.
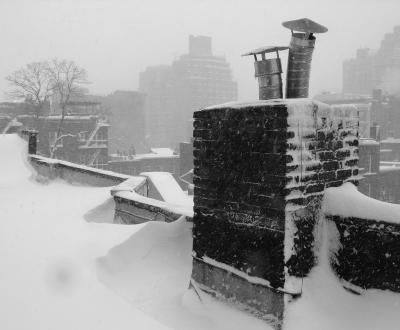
column 325, row 305
column 52, row 260
column 168, row 188
column 347, row 201
column 60, row 272
column 163, row 151
column 368, row 142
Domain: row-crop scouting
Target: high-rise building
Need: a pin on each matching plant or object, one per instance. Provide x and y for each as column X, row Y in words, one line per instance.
column 125, row 113
column 195, row 80
column 378, row 69
column 157, row 83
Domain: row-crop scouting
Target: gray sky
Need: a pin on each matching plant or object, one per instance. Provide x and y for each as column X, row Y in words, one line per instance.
column 116, row 39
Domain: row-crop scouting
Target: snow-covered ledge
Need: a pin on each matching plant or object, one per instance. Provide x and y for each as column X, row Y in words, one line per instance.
column 134, row 202
column 132, row 194
column 364, row 239
column 133, row 208
column 50, row 168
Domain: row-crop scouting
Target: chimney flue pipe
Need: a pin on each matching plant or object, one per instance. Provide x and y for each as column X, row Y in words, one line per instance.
column 300, row 56
column 268, row 72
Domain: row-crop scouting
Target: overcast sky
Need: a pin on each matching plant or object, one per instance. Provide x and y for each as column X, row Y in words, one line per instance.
column 116, row 39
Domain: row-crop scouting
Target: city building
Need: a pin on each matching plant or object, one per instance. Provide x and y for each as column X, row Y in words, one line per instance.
column 83, row 138
column 19, row 108
column 125, row 113
column 385, row 112
column 156, row 83
column 380, row 177
column 343, row 104
column 375, row 69
column 157, row 160
column 194, row 81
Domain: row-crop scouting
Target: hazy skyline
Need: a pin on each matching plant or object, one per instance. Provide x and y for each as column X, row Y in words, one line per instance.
column 116, row 39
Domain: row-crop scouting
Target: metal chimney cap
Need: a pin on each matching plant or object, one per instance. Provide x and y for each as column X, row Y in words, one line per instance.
column 266, row 49
column 305, row 25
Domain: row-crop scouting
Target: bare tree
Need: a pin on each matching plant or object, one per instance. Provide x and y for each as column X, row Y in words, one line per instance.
column 32, row 83
column 66, row 79
column 61, row 80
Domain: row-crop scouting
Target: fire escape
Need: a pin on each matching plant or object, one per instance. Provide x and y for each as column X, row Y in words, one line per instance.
column 95, row 143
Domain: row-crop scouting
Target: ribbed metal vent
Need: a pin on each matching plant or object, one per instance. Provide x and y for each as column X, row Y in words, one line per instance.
column 268, row 72
column 300, row 56
column 299, row 66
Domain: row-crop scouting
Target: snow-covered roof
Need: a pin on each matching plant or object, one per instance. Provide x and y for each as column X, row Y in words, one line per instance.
column 168, row 188
column 106, row 276
column 391, row 140
column 388, row 169
column 130, row 184
column 260, row 103
column 162, row 151
column 368, row 142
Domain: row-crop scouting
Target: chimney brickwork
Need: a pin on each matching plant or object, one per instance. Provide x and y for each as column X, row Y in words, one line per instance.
column 260, row 170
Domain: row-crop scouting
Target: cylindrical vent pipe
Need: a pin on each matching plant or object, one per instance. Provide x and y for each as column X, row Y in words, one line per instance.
column 300, row 56
column 268, row 72
column 299, row 66
column 269, row 75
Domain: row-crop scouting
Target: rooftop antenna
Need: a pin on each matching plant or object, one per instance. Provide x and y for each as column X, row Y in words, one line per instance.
column 300, row 55
column 268, row 72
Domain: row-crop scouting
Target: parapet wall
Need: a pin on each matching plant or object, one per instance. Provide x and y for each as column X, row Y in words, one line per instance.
column 75, row 173
column 135, row 209
column 132, row 205
column 365, row 238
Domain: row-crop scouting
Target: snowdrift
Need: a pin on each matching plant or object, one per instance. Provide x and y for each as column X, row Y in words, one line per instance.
column 152, row 270
column 52, row 261
column 48, row 278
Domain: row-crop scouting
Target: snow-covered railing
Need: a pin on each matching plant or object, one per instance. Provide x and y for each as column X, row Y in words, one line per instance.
column 364, row 239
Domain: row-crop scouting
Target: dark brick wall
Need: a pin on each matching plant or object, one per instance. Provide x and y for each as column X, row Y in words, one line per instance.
column 239, row 176
column 369, row 253
column 266, row 166
column 260, row 171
